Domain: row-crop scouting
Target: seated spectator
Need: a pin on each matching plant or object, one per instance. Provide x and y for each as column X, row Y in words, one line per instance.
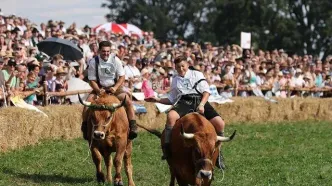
column 227, row 78
column 228, row 92
column 132, row 73
column 215, row 76
column 297, row 80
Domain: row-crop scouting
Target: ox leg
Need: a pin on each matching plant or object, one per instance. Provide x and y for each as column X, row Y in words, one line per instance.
column 128, row 164
column 96, row 156
column 109, row 163
column 120, row 151
column 172, row 183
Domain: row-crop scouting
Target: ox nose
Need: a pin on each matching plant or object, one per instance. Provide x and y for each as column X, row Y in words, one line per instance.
column 99, row 135
column 205, row 174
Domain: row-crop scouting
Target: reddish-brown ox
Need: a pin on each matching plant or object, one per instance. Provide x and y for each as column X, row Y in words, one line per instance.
column 108, row 128
column 194, row 150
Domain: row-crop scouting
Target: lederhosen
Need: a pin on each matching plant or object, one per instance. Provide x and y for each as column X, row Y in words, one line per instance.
column 189, row 103
column 118, row 91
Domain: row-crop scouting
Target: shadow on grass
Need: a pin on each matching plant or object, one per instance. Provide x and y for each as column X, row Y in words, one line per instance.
column 44, row 178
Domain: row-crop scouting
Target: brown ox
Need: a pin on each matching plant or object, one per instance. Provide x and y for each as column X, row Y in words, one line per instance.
column 108, row 127
column 194, row 149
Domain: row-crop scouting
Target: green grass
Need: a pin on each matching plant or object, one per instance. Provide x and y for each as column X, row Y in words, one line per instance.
column 261, row 154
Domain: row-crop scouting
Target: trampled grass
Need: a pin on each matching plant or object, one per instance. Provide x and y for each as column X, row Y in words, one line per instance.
column 261, row 154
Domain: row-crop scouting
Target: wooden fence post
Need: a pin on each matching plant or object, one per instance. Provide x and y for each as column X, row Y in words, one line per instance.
column 45, row 93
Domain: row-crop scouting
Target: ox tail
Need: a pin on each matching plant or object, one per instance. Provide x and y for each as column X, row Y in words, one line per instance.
column 152, row 131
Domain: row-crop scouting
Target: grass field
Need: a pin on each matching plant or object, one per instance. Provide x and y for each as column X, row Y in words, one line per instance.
column 261, row 154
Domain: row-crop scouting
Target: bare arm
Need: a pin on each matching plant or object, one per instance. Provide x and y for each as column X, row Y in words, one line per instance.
column 205, row 98
column 95, row 86
column 119, row 82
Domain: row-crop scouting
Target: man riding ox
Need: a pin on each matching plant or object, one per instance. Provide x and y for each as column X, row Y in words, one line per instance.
column 107, row 132
column 193, row 151
column 106, row 75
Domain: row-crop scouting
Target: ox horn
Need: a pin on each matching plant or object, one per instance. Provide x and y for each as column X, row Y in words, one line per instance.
column 112, row 108
column 226, row 139
column 186, row 135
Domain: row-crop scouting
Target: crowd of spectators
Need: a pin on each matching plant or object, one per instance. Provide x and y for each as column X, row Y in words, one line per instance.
column 24, row 68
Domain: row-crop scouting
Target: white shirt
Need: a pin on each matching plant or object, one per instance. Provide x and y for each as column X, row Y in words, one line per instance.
column 297, row 82
column 184, row 85
column 131, row 71
column 108, row 70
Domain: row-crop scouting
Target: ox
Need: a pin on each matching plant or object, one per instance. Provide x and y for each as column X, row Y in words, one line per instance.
column 194, row 149
column 108, row 127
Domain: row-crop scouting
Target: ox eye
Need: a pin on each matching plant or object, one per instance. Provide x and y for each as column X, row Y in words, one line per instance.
column 109, row 118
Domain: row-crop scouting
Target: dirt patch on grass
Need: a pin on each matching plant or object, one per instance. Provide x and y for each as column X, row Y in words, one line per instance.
column 19, row 127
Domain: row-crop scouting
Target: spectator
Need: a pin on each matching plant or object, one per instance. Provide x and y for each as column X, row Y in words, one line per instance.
column 31, row 84
column 59, row 84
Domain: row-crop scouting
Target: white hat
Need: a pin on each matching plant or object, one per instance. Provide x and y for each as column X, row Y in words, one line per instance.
column 144, row 71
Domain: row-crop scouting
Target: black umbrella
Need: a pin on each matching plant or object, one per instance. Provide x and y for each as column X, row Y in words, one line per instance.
column 66, row 48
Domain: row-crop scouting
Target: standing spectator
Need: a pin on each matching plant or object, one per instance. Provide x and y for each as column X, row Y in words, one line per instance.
column 10, row 74
column 59, row 84
column 31, row 84
column 2, row 77
column 49, row 78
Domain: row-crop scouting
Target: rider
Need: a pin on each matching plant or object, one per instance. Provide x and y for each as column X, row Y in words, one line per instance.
column 189, row 92
column 108, row 77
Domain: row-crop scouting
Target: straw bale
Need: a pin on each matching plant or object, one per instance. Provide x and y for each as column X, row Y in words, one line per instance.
column 19, row 127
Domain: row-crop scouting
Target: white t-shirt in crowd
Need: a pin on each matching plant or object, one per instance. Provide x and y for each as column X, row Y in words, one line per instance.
column 184, row 85
column 108, row 70
column 297, row 82
column 131, row 71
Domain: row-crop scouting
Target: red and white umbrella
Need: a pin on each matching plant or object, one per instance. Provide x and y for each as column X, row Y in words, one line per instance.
column 133, row 29
column 111, row 27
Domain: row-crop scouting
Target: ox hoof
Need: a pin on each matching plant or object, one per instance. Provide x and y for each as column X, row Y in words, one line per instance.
column 101, row 177
column 119, row 183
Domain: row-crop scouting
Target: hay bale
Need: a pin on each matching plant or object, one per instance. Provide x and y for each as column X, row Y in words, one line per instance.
column 20, row 127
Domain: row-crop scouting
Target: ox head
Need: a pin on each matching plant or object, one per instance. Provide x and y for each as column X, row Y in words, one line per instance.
column 204, row 147
column 101, row 117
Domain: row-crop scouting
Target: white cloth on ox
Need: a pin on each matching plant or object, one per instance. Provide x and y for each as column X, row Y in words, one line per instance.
column 216, row 98
column 77, row 84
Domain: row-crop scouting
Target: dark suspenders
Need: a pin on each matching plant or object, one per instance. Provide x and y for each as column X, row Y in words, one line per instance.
column 195, row 86
column 97, row 73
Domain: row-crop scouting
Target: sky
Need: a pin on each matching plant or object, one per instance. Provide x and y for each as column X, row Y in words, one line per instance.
column 80, row 11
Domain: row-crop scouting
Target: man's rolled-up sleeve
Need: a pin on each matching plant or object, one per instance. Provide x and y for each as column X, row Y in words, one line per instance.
column 203, row 86
column 92, row 71
column 120, row 70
